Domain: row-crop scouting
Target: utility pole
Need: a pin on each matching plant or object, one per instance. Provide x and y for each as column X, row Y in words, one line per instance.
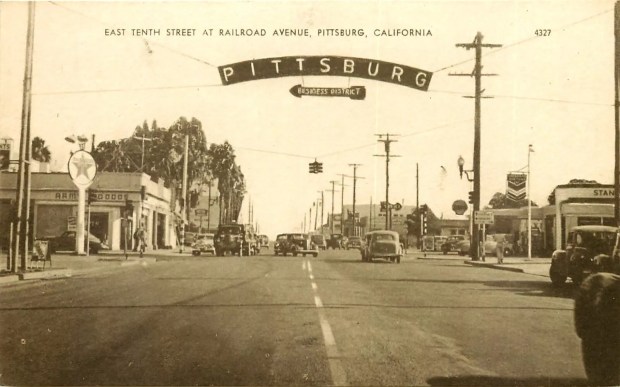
column 370, row 216
column 332, row 218
column 355, row 177
column 477, row 73
column 316, row 213
column 417, row 202
column 617, row 113
column 321, row 199
column 184, row 189
column 310, row 219
column 342, row 202
column 23, row 193
column 386, row 142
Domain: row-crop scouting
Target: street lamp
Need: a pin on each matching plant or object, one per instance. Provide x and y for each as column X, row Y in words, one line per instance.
column 461, row 163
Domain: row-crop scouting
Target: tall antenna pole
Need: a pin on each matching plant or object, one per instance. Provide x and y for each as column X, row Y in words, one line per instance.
column 388, row 208
column 342, row 202
column 417, row 202
column 617, row 113
column 477, row 73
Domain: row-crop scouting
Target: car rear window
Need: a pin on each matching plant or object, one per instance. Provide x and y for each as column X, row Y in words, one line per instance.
column 384, row 237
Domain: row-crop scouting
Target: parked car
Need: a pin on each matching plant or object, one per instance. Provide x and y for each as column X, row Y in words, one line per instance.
column 263, row 240
column 490, row 245
column 295, row 244
column 451, row 245
column 66, row 242
column 319, row 241
column 588, row 250
column 189, row 239
column 204, row 243
column 354, row 242
column 382, row 244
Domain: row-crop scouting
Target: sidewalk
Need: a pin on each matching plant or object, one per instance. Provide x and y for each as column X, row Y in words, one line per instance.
column 535, row 266
column 66, row 265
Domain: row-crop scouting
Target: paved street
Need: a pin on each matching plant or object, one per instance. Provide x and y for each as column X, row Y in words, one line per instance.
column 269, row 320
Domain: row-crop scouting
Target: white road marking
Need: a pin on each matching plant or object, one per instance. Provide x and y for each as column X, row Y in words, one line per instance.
column 318, row 302
column 339, row 376
column 303, row 265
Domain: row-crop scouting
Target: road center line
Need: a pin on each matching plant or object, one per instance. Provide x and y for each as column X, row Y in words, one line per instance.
column 339, row 376
column 303, row 265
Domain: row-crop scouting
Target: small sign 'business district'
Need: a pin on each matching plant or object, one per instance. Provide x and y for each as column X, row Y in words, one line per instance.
column 483, row 217
column 353, row 92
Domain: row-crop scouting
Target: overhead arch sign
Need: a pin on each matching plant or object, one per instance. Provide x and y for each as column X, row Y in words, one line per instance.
column 288, row 66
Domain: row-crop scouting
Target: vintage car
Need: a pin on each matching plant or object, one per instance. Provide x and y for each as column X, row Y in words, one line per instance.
column 336, row 241
column 235, row 238
column 295, row 244
column 66, row 242
column 382, row 244
column 279, row 246
column 354, row 242
column 490, row 245
column 451, row 245
column 588, row 250
column 203, row 243
column 263, row 240
column 319, row 241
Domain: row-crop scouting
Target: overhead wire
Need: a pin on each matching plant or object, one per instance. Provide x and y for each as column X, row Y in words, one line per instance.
column 506, row 46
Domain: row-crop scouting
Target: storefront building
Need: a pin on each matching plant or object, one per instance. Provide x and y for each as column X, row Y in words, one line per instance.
column 54, row 207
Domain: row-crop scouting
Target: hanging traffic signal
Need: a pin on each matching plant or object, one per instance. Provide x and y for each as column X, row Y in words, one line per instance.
column 92, row 196
column 471, row 197
column 311, row 168
column 319, row 167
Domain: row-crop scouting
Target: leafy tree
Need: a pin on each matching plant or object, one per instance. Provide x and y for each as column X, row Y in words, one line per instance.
column 500, row 200
column 39, row 151
column 230, row 179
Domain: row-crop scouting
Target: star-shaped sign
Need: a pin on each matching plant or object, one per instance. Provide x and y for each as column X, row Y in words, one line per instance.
column 82, row 168
column 82, row 165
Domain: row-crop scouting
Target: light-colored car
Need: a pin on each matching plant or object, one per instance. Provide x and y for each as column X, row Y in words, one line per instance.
column 203, row 243
column 354, row 242
column 490, row 245
column 382, row 244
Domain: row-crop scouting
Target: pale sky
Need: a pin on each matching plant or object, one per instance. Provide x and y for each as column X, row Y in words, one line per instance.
column 555, row 92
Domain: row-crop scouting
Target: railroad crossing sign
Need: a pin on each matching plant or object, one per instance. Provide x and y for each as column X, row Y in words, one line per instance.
column 483, row 217
column 397, row 206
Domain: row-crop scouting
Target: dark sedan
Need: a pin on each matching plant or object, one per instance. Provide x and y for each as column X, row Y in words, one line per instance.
column 66, row 242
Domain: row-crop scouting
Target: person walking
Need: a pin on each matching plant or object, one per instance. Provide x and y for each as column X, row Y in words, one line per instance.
column 139, row 238
column 499, row 250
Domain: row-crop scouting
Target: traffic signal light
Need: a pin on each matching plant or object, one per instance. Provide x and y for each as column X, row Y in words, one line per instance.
column 92, row 196
column 471, row 197
column 383, row 207
column 129, row 206
column 5, row 159
column 424, row 222
column 319, row 167
column 424, row 209
column 312, row 168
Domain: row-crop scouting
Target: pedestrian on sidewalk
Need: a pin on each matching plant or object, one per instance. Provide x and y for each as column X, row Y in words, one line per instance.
column 499, row 251
column 139, row 238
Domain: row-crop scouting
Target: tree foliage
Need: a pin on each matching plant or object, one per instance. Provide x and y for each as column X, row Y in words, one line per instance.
column 159, row 152
column 39, row 151
column 500, row 200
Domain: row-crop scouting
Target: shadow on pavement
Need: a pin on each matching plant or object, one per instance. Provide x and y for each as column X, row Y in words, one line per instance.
column 504, row 381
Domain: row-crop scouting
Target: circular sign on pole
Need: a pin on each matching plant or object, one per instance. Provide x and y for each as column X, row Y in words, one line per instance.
column 82, row 168
column 398, row 206
column 459, row 207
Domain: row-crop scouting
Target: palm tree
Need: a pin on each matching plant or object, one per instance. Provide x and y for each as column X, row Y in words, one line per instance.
column 39, row 151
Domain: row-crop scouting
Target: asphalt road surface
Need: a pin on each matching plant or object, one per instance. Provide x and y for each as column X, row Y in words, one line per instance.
column 266, row 320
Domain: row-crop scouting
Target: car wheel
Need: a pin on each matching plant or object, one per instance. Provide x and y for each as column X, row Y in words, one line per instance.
column 304, row 254
column 196, row 253
column 398, row 259
column 315, row 255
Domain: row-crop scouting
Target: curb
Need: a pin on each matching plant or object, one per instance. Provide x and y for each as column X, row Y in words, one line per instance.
column 55, row 273
column 494, row 266
column 5, row 279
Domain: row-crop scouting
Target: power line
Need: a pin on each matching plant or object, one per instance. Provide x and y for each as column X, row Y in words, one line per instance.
column 277, row 153
column 528, row 98
column 524, row 40
column 145, row 40
column 123, row 90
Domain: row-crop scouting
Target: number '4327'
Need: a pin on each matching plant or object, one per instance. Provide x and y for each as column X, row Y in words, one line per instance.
column 541, row 32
